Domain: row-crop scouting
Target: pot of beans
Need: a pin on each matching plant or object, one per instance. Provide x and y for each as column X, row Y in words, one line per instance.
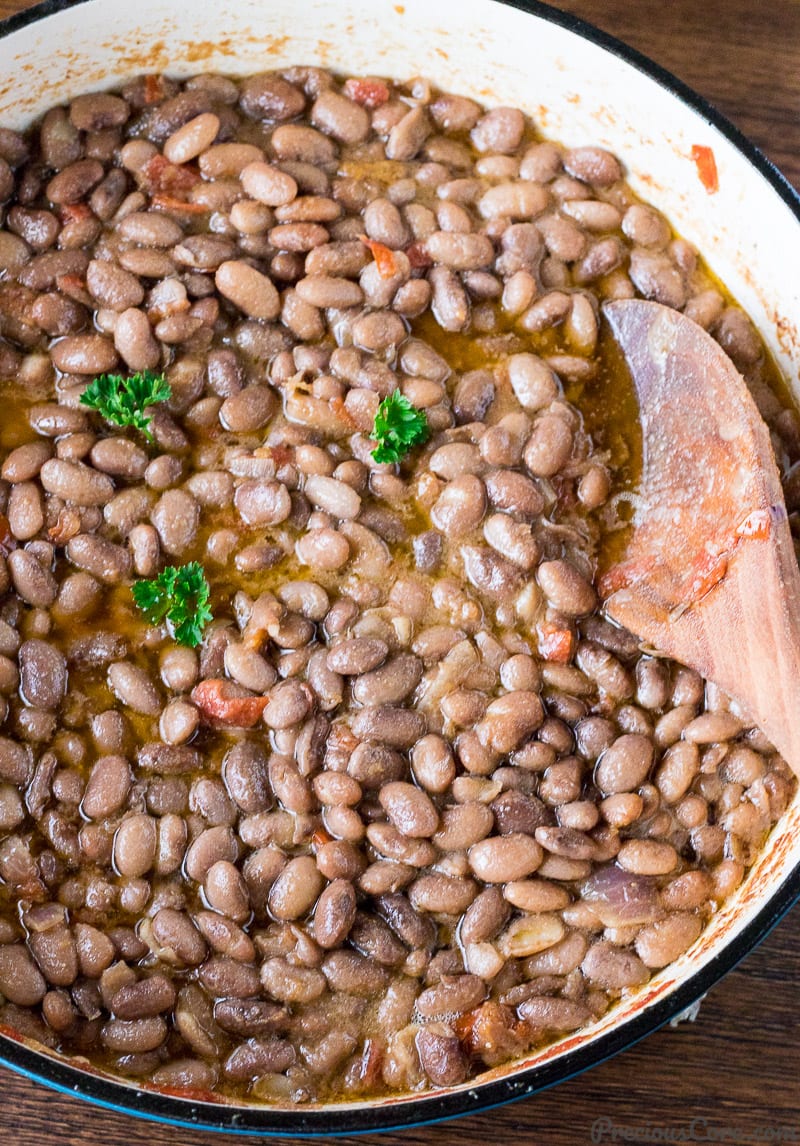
column 330, row 798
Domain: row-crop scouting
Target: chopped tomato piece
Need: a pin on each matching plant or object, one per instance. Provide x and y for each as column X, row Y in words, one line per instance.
column 384, row 257
column 418, row 256
column 320, row 838
column 219, row 704
column 72, row 212
column 153, row 89
column 7, row 539
column 67, row 526
column 75, row 287
column 169, row 203
column 280, row 455
column 709, row 571
column 706, row 165
column 364, row 1072
column 556, row 643
column 622, row 576
column 369, row 93
column 163, row 176
column 756, row 525
column 487, row 1030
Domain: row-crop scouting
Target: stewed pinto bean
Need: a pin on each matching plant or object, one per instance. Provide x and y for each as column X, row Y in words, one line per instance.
column 410, row 807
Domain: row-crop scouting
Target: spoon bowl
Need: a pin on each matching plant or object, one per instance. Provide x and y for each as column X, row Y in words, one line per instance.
column 709, row 575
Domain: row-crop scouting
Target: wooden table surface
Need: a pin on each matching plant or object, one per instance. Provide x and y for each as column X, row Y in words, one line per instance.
column 737, row 1065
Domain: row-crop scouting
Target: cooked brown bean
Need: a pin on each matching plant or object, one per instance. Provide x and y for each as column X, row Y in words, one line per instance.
column 42, row 674
column 500, row 859
column 176, row 516
column 178, row 936
column 192, row 138
column 133, row 1036
column 262, row 503
column 84, row 354
column 131, row 685
column 249, row 409
column 20, row 979
column 31, row 580
column 409, row 809
column 248, row 289
column 296, row 889
column 25, row 462
column 226, row 891
column 135, row 845
column 613, row 969
column 625, row 764
column 291, row 984
column 441, row 1054
column 353, row 973
column 76, row 482
column 334, row 913
column 663, row 941
column 647, row 857
column 119, row 457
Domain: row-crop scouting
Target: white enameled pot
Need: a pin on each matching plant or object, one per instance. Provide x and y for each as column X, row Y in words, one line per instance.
column 580, row 87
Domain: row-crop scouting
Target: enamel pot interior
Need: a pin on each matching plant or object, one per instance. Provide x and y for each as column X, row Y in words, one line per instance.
column 579, row 87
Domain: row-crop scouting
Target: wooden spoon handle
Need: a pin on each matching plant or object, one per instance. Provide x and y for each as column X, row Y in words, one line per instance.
column 709, row 575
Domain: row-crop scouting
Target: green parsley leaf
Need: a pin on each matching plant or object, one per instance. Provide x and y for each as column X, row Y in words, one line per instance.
column 180, row 596
column 398, row 427
column 123, row 401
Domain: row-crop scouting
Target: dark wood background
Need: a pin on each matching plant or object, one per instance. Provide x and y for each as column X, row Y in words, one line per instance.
column 737, row 1065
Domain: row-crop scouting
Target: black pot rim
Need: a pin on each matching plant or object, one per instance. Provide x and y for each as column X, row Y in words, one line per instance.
column 266, row 1121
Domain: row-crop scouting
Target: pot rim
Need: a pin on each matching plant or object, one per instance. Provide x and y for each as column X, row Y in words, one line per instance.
column 400, row 1114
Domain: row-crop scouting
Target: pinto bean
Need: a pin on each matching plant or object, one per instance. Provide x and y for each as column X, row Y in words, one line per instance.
column 42, row 674
column 500, row 859
column 647, row 857
column 135, row 845
column 409, row 809
column 21, row 981
column 76, row 482
column 662, row 942
column 119, row 457
column 178, row 936
column 31, row 580
column 249, row 409
column 625, row 764
column 132, row 686
column 133, row 1036
column 248, row 289
column 102, row 559
column 24, row 463
column 296, row 889
column 509, row 720
column 613, row 969
column 192, row 138
column 334, row 913
column 441, row 1054
column 566, row 588
column 291, row 984
column 175, row 516
column 392, row 727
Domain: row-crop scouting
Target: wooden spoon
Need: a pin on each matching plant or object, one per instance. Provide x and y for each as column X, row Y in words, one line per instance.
column 709, row 575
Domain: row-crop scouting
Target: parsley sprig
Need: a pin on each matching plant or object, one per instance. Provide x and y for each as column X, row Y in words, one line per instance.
column 180, row 596
column 398, row 427
column 123, row 401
